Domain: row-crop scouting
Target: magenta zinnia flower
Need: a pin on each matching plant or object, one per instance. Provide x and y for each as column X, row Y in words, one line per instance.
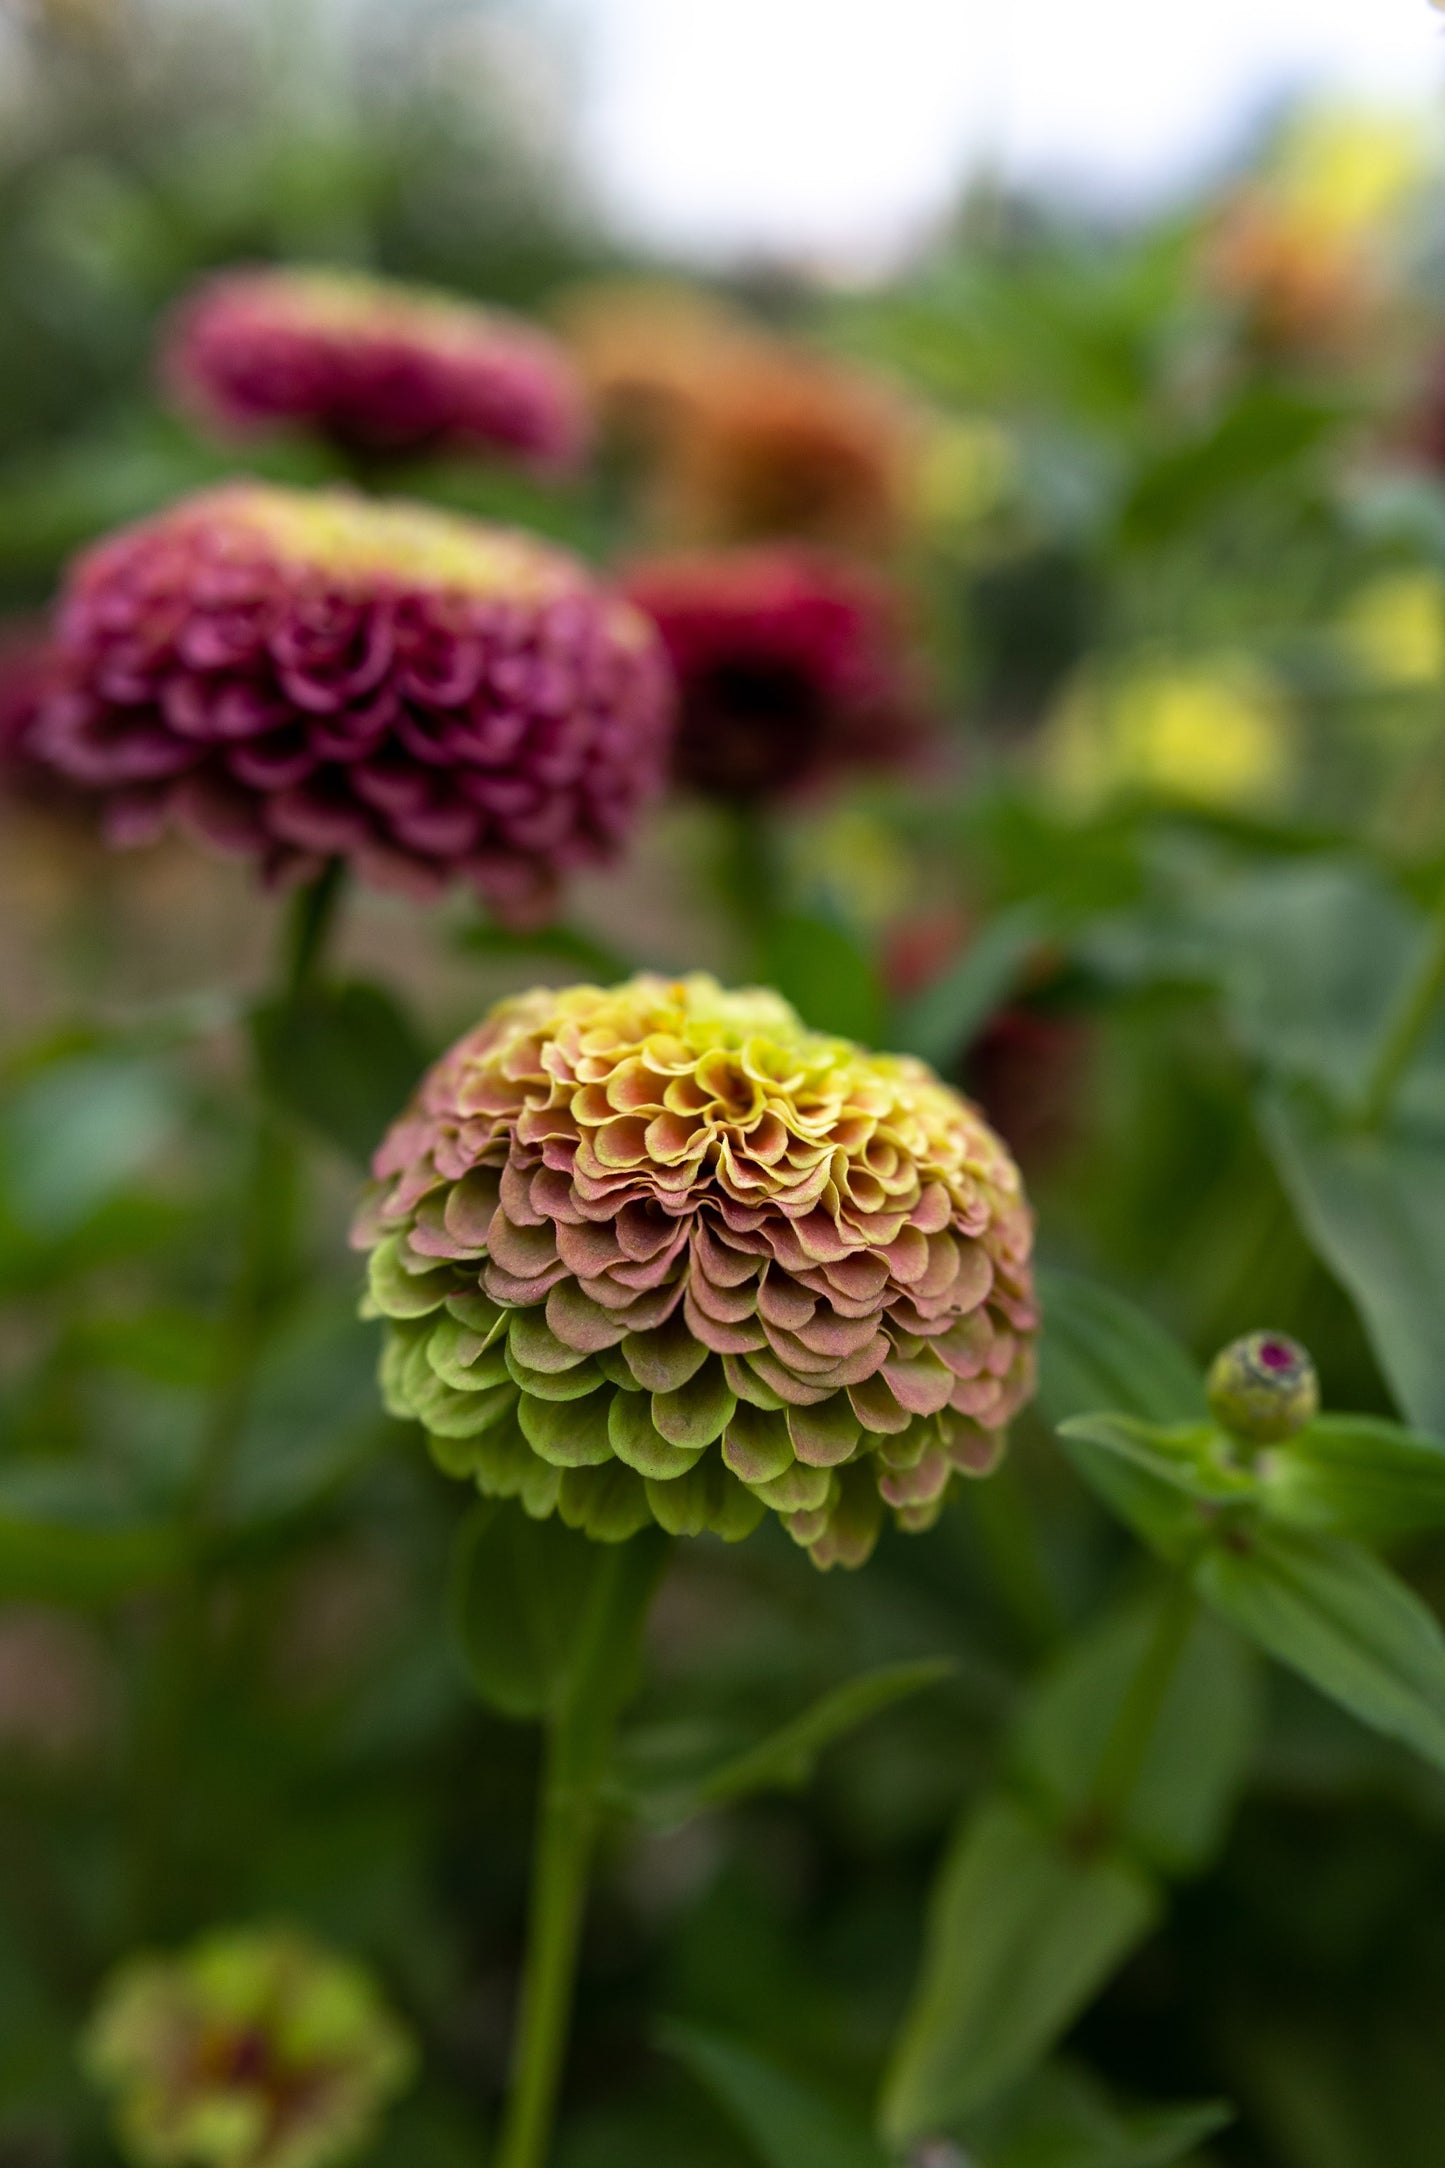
column 306, row 676
column 790, row 668
column 26, row 665
column 376, row 368
column 660, row 1253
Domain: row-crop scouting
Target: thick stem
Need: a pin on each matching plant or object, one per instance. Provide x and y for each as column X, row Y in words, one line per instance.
column 263, row 1272
column 579, row 1741
column 749, row 874
column 1127, row 1747
column 1413, row 1017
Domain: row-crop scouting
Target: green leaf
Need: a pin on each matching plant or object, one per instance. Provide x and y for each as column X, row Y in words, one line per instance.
column 65, row 1539
column 784, row 1760
column 1101, row 1351
column 1357, row 1475
column 1373, row 1205
column 343, row 1058
column 1153, row 1487
column 1179, row 1806
column 818, row 966
column 1061, row 2118
column 520, row 1592
column 786, row 2122
column 939, row 1022
column 1344, row 1621
column 1022, row 1931
column 76, row 1132
column 1267, row 430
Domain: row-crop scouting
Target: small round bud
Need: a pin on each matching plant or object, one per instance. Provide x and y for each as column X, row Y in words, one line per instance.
column 1263, row 1388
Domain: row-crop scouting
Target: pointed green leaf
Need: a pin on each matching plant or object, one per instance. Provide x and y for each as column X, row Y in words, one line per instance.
column 783, row 1761
column 1022, row 1931
column 1101, row 1351
column 1344, row 1621
column 1373, row 1204
column 939, row 1022
column 1179, row 1807
column 1061, row 2118
column 1357, row 1475
column 1154, row 1491
column 787, row 2123
column 519, row 1593
column 344, row 1059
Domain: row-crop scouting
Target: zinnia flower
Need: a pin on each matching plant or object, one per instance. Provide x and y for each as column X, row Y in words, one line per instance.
column 1217, row 733
column 304, row 676
column 660, row 1253
column 746, row 435
column 26, row 665
column 376, row 368
column 790, row 668
column 249, row 2050
column 1304, row 247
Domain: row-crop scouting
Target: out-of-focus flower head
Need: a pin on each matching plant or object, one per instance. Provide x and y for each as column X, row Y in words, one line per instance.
column 1304, row 245
column 1393, row 630
column 252, row 2049
column 660, row 1253
column 745, row 434
column 791, row 668
column 26, row 668
column 374, row 367
column 300, row 676
column 1215, row 734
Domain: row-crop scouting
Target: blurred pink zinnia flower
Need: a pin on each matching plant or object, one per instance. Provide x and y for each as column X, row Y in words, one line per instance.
column 300, row 676
column 790, row 668
column 377, row 368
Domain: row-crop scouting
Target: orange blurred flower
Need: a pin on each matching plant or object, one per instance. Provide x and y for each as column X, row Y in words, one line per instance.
column 741, row 433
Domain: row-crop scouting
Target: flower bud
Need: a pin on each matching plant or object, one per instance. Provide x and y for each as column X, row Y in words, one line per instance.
column 1263, row 1388
column 251, row 2049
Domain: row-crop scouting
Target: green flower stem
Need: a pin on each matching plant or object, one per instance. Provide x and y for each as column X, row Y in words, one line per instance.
column 1127, row 1747
column 264, row 1270
column 579, row 1742
column 1412, row 1018
column 749, row 875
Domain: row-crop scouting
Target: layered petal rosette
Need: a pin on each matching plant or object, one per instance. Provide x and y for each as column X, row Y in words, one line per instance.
column 376, row 368
column 302, row 676
column 660, row 1253
column 251, row 2049
column 791, row 668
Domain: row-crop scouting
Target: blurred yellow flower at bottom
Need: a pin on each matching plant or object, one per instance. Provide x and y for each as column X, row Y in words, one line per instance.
column 1218, row 735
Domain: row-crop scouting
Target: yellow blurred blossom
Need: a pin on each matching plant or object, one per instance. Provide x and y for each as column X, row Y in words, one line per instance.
column 1304, row 244
column 966, row 468
column 1394, row 630
column 1344, row 173
column 1216, row 734
column 857, row 863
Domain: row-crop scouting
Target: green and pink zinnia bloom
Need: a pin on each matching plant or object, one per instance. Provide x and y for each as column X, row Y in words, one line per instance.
column 660, row 1253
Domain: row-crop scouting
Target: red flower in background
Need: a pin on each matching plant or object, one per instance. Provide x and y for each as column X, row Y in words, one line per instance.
column 791, row 668
column 300, row 676
column 376, row 368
